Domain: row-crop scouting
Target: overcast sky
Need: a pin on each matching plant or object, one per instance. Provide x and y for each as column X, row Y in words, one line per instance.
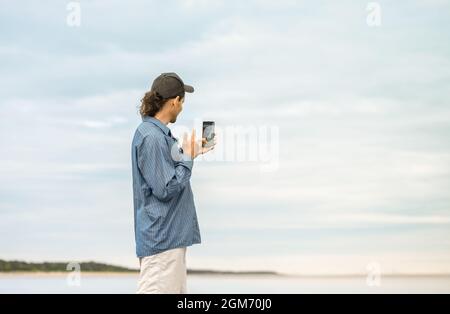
column 361, row 114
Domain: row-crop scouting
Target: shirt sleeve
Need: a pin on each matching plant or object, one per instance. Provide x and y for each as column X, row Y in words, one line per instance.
column 165, row 176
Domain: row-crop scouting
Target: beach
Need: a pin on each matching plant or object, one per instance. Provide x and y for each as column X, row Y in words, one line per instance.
column 125, row 283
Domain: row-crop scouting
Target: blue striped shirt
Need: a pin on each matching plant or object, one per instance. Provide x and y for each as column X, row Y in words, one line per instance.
column 164, row 211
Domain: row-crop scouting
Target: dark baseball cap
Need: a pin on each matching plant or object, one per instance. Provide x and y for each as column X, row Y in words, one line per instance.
column 170, row 85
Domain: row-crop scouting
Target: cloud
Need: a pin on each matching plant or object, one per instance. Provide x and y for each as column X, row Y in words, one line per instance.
column 362, row 116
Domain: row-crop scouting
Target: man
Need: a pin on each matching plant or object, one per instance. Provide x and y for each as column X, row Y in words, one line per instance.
column 165, row 218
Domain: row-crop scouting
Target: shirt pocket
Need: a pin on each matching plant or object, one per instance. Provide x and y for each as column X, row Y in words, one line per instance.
column 155, row 209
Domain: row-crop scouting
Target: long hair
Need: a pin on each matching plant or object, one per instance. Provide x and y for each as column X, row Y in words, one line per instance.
column 152, row 102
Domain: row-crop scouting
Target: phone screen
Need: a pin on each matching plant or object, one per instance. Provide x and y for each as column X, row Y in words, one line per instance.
column 208, row 132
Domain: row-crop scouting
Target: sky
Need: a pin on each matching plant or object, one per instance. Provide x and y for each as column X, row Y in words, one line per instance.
column 356, row 171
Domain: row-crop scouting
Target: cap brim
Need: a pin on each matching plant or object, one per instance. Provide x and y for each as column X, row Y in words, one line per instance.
column 188, row 88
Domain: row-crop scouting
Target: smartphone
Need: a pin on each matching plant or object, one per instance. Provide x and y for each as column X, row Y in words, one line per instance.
column 208, row 133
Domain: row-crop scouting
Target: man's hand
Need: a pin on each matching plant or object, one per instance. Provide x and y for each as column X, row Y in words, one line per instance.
column 193, row 148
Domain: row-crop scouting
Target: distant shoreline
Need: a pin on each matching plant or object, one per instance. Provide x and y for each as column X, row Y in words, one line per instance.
column 133, row 273
column 20, row 268
column 122, row 274
column 56, row 274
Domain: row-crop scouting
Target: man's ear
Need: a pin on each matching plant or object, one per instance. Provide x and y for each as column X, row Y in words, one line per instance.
column 173, row 101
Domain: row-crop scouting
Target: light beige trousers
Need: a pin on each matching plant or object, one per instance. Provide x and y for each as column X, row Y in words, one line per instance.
column 164, row 272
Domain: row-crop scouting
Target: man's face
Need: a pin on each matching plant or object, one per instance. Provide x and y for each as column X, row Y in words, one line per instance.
column 177, row 107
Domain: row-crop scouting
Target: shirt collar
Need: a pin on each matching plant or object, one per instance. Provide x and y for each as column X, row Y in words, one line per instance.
column 158, row 123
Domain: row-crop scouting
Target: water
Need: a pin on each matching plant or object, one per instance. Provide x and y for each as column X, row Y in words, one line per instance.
column 225, row 284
